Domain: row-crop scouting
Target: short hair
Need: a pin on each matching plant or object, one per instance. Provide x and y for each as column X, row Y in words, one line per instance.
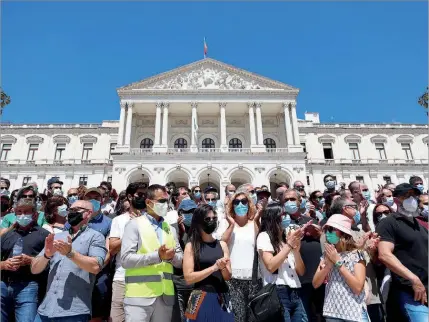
column 24, row 189
column 26, row 203
column 5, row 181
column 151, row 190
column 327, row 176
column 338, row 205
column 313, row 194
column 353, row 185
column 298, row 195
column 107, row 184
column 133, row 187
column 281, row 184
column 51, row 204
column 414, row 179
column 243, row 188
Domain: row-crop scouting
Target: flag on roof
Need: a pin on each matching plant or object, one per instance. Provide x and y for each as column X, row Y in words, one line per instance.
column 205, row 48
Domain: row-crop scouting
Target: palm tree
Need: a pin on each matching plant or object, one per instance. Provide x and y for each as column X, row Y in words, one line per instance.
column 4, row 100
column 423, row 100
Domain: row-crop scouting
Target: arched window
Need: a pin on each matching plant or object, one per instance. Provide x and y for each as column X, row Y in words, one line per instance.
column 208, row 144
column 146, row 143
column 180, row 144
column 235, row 144
column 270, row 143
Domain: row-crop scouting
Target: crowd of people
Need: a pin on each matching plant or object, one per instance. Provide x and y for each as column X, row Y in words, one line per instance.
column 163, row 253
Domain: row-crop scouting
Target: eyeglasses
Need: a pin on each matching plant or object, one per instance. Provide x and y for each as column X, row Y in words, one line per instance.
column 161, row 200
column 211, row 199
column 244, row 202
column 300, row 187
column 81, row 210
column 352, row 206
column 28, row 196
column 319, row 198
column 209, row 219
column 231, row 191
column 72, row 195
column 184, row 193
column 386, row 212
column 188, row 212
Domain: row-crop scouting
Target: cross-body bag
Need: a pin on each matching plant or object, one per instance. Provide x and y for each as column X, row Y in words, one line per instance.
column 265, row 305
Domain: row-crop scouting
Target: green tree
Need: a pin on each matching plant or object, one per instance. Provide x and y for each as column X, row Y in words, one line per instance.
column 423, row 100
column 4, row 100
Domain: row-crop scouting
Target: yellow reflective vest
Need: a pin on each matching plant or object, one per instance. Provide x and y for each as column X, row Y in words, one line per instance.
column 153, row 280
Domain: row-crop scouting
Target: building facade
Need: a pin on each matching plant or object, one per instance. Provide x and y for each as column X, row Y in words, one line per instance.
column 209, row 123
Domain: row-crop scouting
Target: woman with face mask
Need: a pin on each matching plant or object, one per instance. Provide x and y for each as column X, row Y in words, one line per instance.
column 280, row 260
column 196, row 194
column 56, row 211
column 206, row 264
column 240, row 236
column 343, row 266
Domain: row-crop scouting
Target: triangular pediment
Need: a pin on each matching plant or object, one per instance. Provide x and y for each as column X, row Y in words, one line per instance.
column 208, row 74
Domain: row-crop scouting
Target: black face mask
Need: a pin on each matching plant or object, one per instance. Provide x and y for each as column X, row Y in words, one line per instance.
column 209, row 227
column 4, row 207
column 74, row 218
column 139, row 202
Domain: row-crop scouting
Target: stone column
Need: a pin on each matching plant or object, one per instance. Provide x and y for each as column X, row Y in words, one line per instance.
column 158, row 124
column 129, row 124
column 252, row 125
column 259, row 124
column 223, row 145
column 288, row 126
column 121, row 124
column 165, row 125
column 194, row 132
column 294, row 123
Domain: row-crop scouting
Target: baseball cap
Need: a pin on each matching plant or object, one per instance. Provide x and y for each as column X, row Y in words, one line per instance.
column 93, row 190
column 54, row 180
column 340, row 222
column 210, row 189
column 403, row 188
column 187, row 205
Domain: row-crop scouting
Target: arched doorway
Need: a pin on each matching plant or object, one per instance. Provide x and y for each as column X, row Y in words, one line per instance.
column 209, row 178
column 139, row 175
column 179, row 177
column 278, row 176
column 240, row 177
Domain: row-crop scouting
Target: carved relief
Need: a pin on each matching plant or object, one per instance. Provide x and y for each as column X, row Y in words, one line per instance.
column 181, row 122
column 208, row 122
column 269, row 122
column 234, row 122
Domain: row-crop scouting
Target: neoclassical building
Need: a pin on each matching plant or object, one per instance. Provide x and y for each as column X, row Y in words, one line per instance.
column 212, row 123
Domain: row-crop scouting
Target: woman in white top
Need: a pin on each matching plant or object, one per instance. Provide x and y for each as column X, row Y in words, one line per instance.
column 280, row 260
column 240, row 237
column 56, row 211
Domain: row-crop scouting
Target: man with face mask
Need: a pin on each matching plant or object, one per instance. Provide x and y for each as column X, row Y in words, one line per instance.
column 75, row 258
column 417, row 182
column 19, row 288
column 55, row 187
column 329, row 182
column 404, row 250
column 108, row 207
column 423, row 210
column 136, row 195
column 150, row 248
column 4, row 187
column 229, row 192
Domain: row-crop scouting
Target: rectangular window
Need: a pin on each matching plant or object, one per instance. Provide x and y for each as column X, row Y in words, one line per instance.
column 25, row 181
column 308, row 180
column 59, row 151
column 304, row 149
column 381, row 152
column 5, row 148
column 112, row 148
column 327, row 151
column 355, row 151
column 109, row 179
column 387, row 179
column 406, row 147
column 360, row 179
column 83, row 181
column 86, row 151
column 32, row 151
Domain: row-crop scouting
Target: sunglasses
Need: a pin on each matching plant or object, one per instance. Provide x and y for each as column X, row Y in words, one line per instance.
column 300, row 187
column 209, row 219
column 211, row 199
column 162, row 200
column 72, row 195
column 319, row 198
column 28, row 196
column 352, row 206
column 236, row 202
column 386, row 212
column 188, row 212
column 197, row 190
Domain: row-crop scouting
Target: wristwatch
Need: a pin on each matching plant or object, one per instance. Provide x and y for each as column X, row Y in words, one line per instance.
column 339, row 263
column 70, row 254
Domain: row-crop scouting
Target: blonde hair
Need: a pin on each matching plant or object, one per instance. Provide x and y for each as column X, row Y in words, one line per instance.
column 252, row 208
column 347, row 243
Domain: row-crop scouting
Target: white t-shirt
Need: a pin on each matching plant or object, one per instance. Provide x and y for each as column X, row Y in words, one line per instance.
column 108, row 208
column 286, row 272
column 242, row 249
column 117, row 231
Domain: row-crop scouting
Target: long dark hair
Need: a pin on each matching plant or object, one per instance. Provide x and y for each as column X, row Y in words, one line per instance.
column 271, row 224
column 119, row 208
column 195, row 230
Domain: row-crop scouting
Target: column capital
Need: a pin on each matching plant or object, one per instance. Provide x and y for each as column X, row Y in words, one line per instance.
column 194, row 104
column 130, row 104
column 158, row 104
column 258, row 104
column 292, row 104
column 250, row 104
column 287, row 104
column 165, row 104
column 222, row 104
column 123, row 104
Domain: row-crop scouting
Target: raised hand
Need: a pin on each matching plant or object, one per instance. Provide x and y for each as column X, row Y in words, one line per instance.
column 49, row 246
column 331, row 253
column 63, row 247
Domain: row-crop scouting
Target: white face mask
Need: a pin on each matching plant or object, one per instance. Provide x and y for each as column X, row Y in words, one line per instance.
column 62, row 211
column 160, row 209
column 57, row 192
column 410, row 204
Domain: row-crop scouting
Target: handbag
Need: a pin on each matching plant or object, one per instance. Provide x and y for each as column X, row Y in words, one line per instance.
column 264, row 305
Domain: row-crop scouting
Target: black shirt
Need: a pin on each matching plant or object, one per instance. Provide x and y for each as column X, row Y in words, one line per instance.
column 411, row 247
column 33, row 243
column 310, row 251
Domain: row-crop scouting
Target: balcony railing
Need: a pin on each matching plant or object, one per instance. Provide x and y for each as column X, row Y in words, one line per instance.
column 367, row 161
column 51, row 162
column 210, row 151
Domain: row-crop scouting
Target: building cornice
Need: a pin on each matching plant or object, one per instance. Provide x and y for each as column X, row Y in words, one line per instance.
column 364, row 130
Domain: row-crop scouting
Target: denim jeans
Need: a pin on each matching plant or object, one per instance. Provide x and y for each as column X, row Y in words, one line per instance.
column 291, row 301
column 19, row 298
column 413, row 310
column 364, row 318
column 74, row 318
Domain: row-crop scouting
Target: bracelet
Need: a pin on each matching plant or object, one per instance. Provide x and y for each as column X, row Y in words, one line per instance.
column 48, row 258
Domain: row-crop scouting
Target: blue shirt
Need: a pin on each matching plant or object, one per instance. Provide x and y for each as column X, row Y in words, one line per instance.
column 157, row 225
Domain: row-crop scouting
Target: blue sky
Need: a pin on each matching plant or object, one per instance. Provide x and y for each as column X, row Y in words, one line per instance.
column 354, row 62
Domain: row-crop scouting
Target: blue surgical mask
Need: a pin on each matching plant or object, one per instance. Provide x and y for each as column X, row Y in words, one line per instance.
column 330, row 184
column 24, row 220
column 72, row 199
column 366, row 195
column 389, row 202
column 241, row 210
column 62, row 211
column 39, row 205
column 356, row 217
column 303, row 203
column 291, row 207
column 95, row 205
column 425, row 211
column 420, row 187
column 332, row 238
column 187, row 219
column 286, row 221
column 254, row 198
column 321, row 202
column 212, row 203
column 197, row 195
